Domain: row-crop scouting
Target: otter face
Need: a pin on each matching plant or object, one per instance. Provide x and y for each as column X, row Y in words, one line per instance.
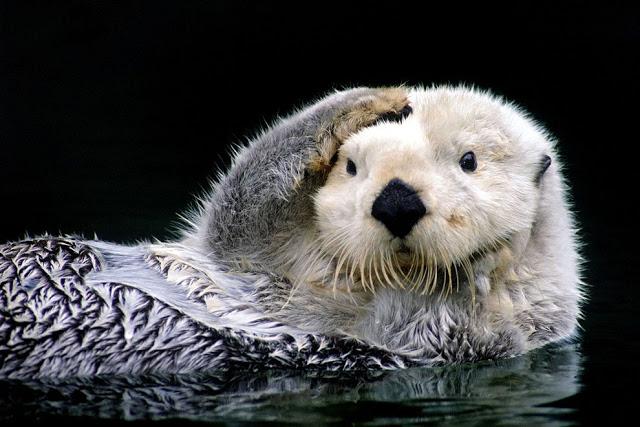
column 408, row 201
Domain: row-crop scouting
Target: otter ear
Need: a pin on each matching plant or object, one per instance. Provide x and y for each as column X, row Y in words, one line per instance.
column 544, row 164
column 384, row 104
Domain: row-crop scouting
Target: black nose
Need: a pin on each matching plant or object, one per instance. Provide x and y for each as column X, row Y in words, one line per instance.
column 398, row 207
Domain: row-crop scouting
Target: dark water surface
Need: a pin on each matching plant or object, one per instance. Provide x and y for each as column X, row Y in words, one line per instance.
column 524, row 390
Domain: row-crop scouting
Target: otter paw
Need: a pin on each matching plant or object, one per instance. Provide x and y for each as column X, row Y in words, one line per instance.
column 384, row 104
column 389, row 104
column 493, row 267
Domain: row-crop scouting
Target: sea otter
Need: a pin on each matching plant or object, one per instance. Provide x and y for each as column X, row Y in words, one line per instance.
column 375, row 228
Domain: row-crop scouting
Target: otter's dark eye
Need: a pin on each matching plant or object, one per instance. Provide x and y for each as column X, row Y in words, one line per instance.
column 468, row 162
column 351, row 167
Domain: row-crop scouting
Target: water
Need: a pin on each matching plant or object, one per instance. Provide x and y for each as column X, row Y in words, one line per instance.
column 524, row 390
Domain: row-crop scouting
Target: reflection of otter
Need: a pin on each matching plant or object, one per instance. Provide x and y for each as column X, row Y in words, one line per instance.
column 506, row 389
column 429, row 224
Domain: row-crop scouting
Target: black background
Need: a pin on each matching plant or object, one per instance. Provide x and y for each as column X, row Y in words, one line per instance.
column 113, row 116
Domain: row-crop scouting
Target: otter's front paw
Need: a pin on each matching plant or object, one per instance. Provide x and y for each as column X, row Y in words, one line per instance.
column 493, row 267
column 384, row 104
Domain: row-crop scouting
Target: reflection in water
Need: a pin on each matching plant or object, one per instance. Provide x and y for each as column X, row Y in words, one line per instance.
column 518, row 390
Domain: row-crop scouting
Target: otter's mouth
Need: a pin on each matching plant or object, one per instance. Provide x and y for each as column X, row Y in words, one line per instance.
column 404, row 256
column 423, row 272
column 403, row 266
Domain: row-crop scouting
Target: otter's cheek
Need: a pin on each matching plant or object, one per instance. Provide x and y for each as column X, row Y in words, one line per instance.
column 334, row 208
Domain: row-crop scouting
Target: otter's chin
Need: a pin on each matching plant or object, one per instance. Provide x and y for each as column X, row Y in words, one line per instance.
column 404, row 256
column 405, row 260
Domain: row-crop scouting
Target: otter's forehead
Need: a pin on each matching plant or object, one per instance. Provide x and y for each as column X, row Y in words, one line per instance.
column 441, row 121
column 447, row 111
column 444, row 113
column 446, row 120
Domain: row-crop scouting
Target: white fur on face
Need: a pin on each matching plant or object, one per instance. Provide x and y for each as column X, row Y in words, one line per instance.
column 467, row 211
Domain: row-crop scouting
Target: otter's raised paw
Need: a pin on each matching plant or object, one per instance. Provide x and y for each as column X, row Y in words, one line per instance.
column 384, row 104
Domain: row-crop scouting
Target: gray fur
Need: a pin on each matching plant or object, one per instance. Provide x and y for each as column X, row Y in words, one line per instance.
column 262, row 201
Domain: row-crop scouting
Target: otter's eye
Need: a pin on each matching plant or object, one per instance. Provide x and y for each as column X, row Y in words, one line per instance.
column 351, row 167
column 468, row 162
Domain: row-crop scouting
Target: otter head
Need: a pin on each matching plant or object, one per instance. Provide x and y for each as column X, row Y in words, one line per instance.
column 420, row 201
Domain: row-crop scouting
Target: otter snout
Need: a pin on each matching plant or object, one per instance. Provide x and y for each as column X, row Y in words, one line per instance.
column 398, row 207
